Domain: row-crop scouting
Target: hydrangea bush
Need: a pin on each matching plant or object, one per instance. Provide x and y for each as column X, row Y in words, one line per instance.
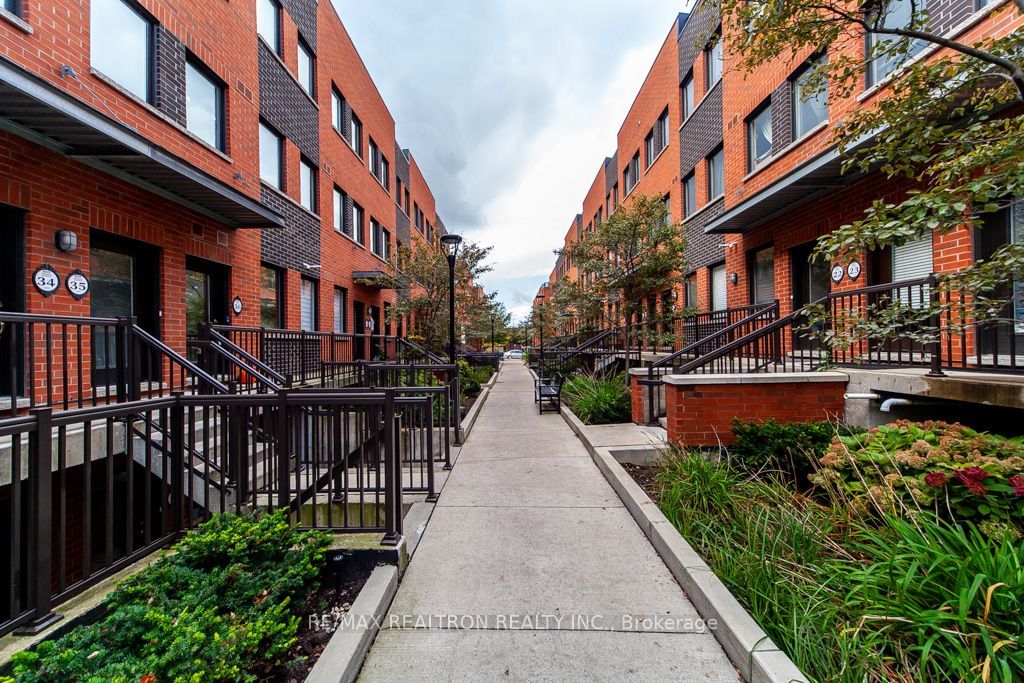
column 959, row 473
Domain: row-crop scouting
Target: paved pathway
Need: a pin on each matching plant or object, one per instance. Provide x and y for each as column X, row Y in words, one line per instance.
column 532, row 569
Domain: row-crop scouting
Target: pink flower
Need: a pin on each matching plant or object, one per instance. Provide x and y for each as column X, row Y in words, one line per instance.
column 972, row 473
column 971, row 480
column 1017, row 481
column 936, row 479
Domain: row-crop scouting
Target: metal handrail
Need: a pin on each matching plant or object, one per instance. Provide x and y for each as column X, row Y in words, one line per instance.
column 771, row 309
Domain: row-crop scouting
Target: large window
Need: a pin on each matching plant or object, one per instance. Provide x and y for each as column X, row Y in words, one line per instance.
column 268, row 23
column 337, row 111
column 271, row 297
column 204, row 105
column 689, row 195
column 759, row 137
column 358, row 223
column 631, row 176
column 307, row 70
column 716, row 174
column 713, row 61
column 379, row 166
column 307, row 186
column 376, row 238
column 121, row 45
column 307, row 305
column 762, row 276
column 885, row 52
column 356, row 136
column 10, row 5
column 339, row 210
column 689, row 103
column 810, row 104
column 271, row 166
column 340, row 302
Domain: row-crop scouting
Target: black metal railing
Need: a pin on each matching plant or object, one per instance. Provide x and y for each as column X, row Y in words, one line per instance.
column 71, row 362
column 88, row 491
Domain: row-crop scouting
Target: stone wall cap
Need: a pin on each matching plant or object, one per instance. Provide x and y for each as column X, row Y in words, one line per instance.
column 759, row 378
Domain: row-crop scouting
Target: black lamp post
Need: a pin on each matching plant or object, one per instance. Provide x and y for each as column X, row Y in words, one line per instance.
column 451, row 244
column 540, row 314
column 492, row 333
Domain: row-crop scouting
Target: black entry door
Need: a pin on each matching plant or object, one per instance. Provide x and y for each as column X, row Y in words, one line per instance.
column 12, row 299
column 811, row 282
column 206, row 294
column 125, row 277
column 359, row 330
column 998, row 230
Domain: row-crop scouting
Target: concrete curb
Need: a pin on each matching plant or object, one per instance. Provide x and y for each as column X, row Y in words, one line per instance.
column 478, row 404
column 343, row 657
column 749, row 648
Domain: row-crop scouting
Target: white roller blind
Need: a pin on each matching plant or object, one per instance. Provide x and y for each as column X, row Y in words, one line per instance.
column 764, row 276
column 719, row 291
column 307, row 307
column 912, row 261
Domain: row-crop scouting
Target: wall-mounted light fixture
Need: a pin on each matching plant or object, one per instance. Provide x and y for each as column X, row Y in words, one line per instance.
column 66, row 241
column 734, row 278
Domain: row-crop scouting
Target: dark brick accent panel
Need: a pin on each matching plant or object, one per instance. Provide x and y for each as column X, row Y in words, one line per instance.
column 295, row 244
column 702, row 132
column 611, row 174
column 704, row 249
column 402, row 233
column 702, row 23
column 401, row 165
column 170, row 75
column 303, row 13
column 945, row 14
column 782, row 116
column 286, row 107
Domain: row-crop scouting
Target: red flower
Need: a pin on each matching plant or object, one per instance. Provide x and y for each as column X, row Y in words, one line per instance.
column 1017, row 481
column 971, row 480
column 936, row 479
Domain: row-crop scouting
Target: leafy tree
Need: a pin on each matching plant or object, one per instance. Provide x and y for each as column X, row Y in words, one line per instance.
column 950, row 123
column 420, row 273
column 635, row 251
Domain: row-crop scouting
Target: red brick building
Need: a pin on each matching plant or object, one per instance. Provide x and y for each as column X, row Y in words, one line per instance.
column 202, row 162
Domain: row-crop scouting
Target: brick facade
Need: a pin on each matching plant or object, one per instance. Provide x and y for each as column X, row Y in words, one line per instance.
column 700, row 413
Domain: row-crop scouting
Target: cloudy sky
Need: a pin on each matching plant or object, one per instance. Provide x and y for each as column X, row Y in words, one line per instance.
column 510, row 106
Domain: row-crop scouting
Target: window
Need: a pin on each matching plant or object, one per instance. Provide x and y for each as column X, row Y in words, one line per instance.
column 386, row 239
column 668, row 209
column 687, row 95
column 271, row 297
column 649, row 150
column 762, row 276
column 340, row 303
column 11, row 6
column 204, row 105
column 358, row 223
column 713, row 61
column 271, row 169
column 379, row 166
column 121, row 46
column 307, row 305
column 884, row 52
column 307, row 186
column 810, row 107
column 631, row 176
column 689, row 195
column 339, row 210
column 716, row 174
column 377, row 238
column 719, row 288
column 398, row 191
column 307, row 70
column 661, row 134
column 268, row 23
column 690, row 293
column 356, row 139
column 407, row 201
column 417, row 217
column 759, row 137
column 337, row 111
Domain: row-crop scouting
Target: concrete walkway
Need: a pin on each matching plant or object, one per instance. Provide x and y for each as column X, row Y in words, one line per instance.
column 532, row 569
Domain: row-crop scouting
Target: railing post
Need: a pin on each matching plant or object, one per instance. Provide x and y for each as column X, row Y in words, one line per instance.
column 283, row 448
column 392, row 475
column 177, row 419
column 40, row 510
column 936, row 360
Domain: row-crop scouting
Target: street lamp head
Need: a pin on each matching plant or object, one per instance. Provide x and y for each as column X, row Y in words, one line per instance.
column 451, row 243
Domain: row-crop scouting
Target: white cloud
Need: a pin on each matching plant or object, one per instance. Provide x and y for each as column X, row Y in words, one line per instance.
column 510, row 106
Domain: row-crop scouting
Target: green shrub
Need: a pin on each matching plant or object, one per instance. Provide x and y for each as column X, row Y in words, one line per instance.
column 213, row 610
column 789, row 448
column 853, row 598
column 598, row 401
column 472, row 379
column 956, row 472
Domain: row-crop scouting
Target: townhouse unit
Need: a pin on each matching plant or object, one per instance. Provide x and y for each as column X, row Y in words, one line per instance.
column 190, row 162
column 748, row 166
